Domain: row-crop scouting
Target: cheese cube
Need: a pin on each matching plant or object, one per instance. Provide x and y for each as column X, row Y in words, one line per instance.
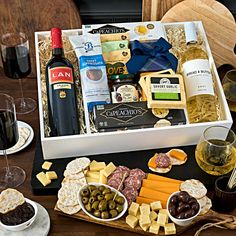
column 144, row 227
column 46, row 165
column 102, row 178
column 163, row 211
column 145, row 209
column 155, row 206
column 145, row 204
column 170, row 229
column 132, row 221
column 93, row 174
column 154, row 228
column 96, row 166
column 109, row 169
column 43, row 179
column 133, row 209
column 138, row 215
column 153, row 215
column 91, row 180
column 162, row 219
column 51, row 175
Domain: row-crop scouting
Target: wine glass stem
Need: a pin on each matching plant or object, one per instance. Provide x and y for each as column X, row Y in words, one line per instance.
column 8, row 173
column 22, row 94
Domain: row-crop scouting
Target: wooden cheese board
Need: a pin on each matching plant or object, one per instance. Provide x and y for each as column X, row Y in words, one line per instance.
column 210, row 216
column 218, row 22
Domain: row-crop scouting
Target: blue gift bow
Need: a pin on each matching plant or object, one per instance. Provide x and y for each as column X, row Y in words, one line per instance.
column 151, row 51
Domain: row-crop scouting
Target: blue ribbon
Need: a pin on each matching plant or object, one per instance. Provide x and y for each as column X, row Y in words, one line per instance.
column 151, row 56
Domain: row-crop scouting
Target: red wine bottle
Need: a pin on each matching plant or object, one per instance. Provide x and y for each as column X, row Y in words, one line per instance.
column 62, row 105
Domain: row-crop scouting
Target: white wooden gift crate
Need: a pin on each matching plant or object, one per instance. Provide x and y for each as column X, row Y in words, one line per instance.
column 129, row 140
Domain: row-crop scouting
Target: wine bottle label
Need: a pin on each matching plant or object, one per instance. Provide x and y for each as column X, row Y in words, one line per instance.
column 198, row 78
column 60, row 75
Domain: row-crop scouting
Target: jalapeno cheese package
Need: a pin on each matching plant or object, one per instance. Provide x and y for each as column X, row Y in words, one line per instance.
column 116, row 62
column 92, row 69
column 114, row 45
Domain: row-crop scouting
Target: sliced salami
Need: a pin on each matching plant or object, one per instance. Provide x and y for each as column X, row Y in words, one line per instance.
column 133, row 181
column 122, row 169
column 138, row 172
column 115, row 184
column 116, row 175
column 162, row 160
column 130, row 194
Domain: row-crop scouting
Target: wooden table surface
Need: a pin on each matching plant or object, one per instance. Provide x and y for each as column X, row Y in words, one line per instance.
column 60, row 225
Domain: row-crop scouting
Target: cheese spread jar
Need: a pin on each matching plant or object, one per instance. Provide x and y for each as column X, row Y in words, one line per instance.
column 124, row 89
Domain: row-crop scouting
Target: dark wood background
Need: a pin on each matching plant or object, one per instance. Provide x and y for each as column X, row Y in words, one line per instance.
column 30, row 16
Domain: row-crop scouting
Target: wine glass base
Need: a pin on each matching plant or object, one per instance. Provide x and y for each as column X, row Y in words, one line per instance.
column 25, row 105
column 14, row 179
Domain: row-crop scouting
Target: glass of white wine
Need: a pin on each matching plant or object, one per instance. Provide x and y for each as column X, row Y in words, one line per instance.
column 229, row 86
column 216, row 150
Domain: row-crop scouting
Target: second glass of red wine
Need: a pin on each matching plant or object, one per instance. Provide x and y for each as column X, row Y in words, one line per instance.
column 16, row 64
column 10, row 176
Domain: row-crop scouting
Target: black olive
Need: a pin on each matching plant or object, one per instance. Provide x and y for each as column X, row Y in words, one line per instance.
column 174, row 199
column 189, row 213
column 195, row 207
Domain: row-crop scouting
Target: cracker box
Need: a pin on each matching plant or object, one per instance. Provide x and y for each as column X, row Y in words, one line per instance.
column 128, row 140
column 142, row 31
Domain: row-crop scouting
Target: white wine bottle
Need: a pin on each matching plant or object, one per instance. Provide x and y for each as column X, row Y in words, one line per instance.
column 202, row 103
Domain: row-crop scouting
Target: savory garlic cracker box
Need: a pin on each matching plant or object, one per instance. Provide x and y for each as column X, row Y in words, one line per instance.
column 142, row 31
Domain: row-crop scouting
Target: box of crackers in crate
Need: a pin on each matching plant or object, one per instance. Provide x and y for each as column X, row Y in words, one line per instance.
column 139, row 86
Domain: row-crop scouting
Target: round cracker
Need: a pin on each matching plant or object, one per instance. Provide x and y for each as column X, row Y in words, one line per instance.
column 160, row 113
column 205, row 204
column 194, row 187
column 70, row 210
column 162, row 123
column 69, row 175
column 67, row 194
column 24, row 132
column 77, row 165
column 10, row 199
column 161, row 170
column 175, row 161
column 81, row 181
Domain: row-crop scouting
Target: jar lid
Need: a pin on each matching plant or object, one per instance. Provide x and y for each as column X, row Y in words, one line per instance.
column 122, row 76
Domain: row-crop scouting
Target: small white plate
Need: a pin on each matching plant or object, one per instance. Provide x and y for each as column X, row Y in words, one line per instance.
column 28, row 141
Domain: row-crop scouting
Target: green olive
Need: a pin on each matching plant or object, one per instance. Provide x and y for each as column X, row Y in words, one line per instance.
column 92, row 199
column 100, row 197
column 84, row 192
column 85, row 200
column 95, row 205
column 97, row 213
column 105, row 215
column 88, row 207
column 102, row 205
column 94, row 193
column 105, row 191
column 113, row 213
column 120, row 200
column 101, row 188
column 108, row 196
column 111, row 204
column 119, row 208
column 91, row 188
column 113, row 194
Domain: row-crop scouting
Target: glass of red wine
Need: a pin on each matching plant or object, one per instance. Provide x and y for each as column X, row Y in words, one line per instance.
column 10, row 176
column 16, row 64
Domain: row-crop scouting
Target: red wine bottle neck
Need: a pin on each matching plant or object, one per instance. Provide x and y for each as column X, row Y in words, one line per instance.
column 58, row 52
column 57, row 48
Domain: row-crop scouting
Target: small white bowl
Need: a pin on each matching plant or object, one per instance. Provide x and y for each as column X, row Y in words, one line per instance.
column 181, row 222
column 25, row 224
column 125, row 206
